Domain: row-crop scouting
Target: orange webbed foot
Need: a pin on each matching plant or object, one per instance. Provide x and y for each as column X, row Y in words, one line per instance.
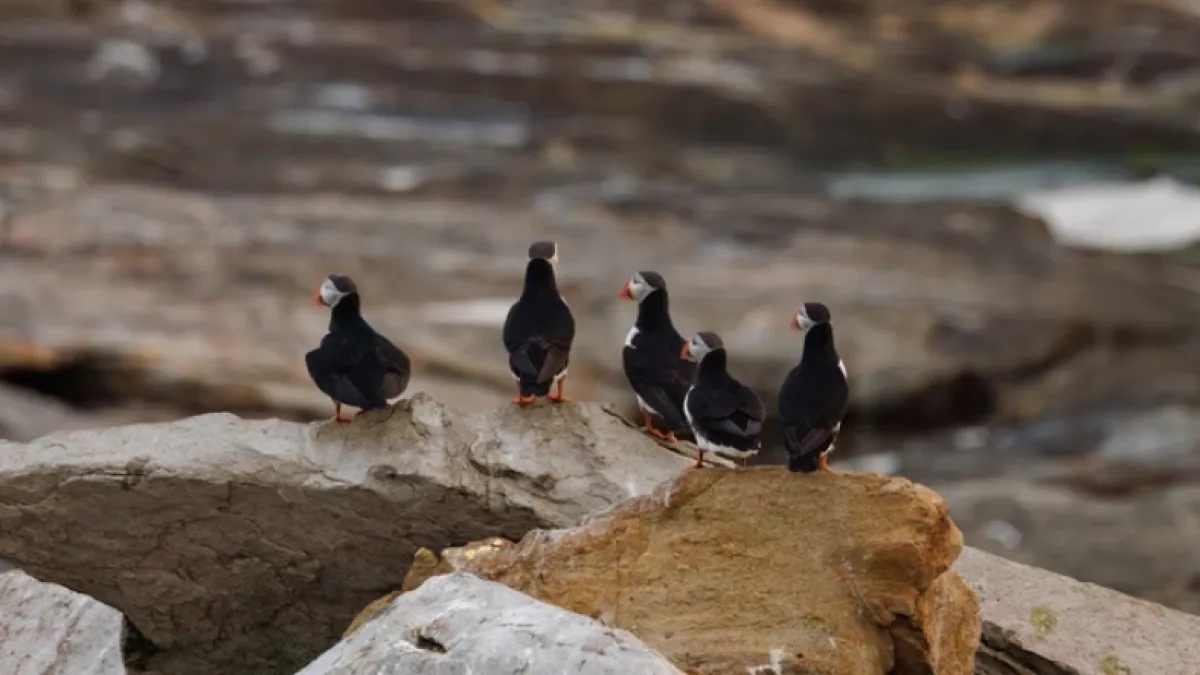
column 660, row 435
column 558, row 396
column 525, row 400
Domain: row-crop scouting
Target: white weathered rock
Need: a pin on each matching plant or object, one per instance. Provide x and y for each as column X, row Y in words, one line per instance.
column 46, row 629
column 227, row 541
column 459, row 624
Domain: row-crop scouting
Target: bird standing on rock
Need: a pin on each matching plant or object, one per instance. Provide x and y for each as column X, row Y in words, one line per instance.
column 815, row 394
column 539, row 330
column 724, row 414
column 653, row 356
column 354, row 365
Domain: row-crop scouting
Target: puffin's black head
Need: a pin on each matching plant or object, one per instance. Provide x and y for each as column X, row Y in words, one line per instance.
column 544, row 250
column 333, row 289
column 810, row 314
column 700, row 345
column 641, row 285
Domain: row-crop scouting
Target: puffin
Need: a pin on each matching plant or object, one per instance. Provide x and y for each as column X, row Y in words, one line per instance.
column 815, row 394
column 354, row 365
column 653, row 356
column 724, row 414
column 539, row 330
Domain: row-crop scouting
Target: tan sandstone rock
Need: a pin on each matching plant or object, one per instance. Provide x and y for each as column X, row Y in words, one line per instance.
column 725, row 571
column 1040, row 623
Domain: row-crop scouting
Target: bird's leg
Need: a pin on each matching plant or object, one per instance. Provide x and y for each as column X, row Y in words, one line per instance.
column 699, row 459
column 559, row 396
column 823, row 464
column 523, row 400
column 670, row 436
column 337, row 414
column 745, row 462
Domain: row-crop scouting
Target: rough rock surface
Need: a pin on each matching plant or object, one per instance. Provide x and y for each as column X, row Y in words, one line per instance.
column 1116, row 508
column 255, row 542
column 725, row 571
column 1039, row 623
column 46, row 629
column 459, row 624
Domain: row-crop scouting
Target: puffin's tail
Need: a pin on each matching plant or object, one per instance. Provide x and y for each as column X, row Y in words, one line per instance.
column 803, row 463
column 522, row 364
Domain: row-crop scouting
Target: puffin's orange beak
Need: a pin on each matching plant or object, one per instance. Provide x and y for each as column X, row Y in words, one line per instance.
column 795, row 321
column 317, row 298
column 626, row 294
column 686, row 354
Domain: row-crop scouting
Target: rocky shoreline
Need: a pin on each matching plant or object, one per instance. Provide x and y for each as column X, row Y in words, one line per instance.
column 252, row 545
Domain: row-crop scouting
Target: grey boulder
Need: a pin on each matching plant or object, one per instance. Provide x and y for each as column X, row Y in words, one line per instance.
column 233, row 543
column 46, row 629
column 1040, row 623
column 459, row 624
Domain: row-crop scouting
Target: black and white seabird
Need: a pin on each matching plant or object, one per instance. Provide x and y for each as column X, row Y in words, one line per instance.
column 539, row 330
column 815, row 394
column 354, row 365
column 724, row 414
column 653, row 356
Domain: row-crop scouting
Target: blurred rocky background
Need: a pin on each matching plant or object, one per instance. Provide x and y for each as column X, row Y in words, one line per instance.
column 995, row 198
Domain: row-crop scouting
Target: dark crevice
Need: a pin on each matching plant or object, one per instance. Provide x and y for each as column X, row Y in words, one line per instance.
column 137, row 648
column 429, row 644
column 1001, row 654
column 91, row 381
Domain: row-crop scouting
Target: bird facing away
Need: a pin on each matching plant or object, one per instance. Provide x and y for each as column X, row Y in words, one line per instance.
column 815, row 394
column 539, row 330
column 653, row 356
column 724, row 414
column 354, row 365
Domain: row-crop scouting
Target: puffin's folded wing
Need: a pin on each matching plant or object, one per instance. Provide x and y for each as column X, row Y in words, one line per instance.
column 555, row 361
column 804, row 441
column 556, row 342
column 717, row 410
column 752, row 407
column 336, row 352
column 391, row 356
column 660, row 402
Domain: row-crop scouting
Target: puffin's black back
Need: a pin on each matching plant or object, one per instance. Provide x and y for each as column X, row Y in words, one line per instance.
column 813, row 399
column 723, row 409
column 355, row 365
column 538, row 331
column 653, row 364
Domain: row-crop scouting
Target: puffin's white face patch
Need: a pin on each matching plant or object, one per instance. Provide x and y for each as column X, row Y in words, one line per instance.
column 330, row 295
column 803, row 322
column 698, row 348
column 638, row 288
